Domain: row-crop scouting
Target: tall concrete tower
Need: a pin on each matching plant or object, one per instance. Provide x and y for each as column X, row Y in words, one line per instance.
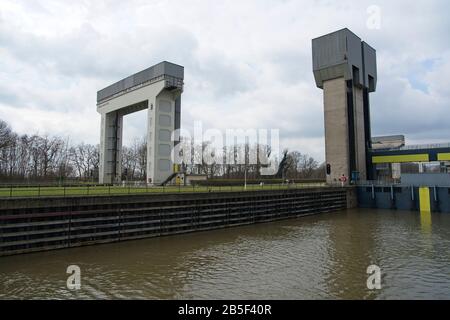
column 157, row 89
column 346, row 69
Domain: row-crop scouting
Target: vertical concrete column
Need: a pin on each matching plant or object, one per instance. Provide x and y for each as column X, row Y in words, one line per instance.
column 162, row 122
column 360, row 132
column 396, row 170
column 118, row 149
column 421, row 167
column 150, row 166
column 336, row 128
column 110, row 147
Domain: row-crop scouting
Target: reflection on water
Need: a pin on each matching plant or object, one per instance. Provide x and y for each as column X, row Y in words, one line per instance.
column 425, row 222
column 316, row 257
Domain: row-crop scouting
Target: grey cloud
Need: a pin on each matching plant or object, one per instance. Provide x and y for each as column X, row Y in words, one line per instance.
column 292, row 64
column 8, row 98
column 402, row 109
column 87, row 53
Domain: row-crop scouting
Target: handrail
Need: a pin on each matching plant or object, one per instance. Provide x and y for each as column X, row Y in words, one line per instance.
column 109, row 190
column 415, row 147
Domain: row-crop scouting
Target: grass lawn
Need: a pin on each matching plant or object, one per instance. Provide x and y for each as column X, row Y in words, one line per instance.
column 6, row 192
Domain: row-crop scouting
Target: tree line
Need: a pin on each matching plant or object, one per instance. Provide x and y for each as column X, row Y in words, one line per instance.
column 41, row 158
column 44, row 158
column 291, row 165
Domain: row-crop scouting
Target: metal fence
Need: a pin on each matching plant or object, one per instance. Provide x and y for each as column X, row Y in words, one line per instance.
column 17, row 191
column 375, row 183
column 380, row 183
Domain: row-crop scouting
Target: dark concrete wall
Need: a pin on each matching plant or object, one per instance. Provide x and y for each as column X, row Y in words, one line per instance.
column 426, row 179
column 402, row 198
column 39, row 224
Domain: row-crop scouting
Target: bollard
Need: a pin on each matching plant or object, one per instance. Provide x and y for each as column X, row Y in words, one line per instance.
column 393, row 201
column 436, row 199
column 413, row 201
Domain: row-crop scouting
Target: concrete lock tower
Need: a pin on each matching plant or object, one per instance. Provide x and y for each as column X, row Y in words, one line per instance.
column 345, row 68
column 157, row 89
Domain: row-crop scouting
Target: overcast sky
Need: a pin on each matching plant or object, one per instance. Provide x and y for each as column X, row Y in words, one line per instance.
column 247, row 63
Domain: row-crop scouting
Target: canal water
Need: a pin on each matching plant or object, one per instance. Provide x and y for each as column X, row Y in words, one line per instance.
column 317, row 257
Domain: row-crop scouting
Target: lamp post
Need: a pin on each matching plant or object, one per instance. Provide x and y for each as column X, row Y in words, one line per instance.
column 245, row 163
column 245, row 176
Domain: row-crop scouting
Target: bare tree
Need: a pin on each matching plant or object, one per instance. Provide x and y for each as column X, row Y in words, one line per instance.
column 37, row 157
column 6, row 136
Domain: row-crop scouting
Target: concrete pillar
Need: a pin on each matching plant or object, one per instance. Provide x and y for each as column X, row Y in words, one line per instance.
column 421, row 167
column 110, row 147
column 336, row 128
column 396, row 171
column 360, row 135
column 161, row 124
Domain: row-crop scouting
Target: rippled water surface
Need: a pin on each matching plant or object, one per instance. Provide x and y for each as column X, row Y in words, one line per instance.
column 317, row 257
